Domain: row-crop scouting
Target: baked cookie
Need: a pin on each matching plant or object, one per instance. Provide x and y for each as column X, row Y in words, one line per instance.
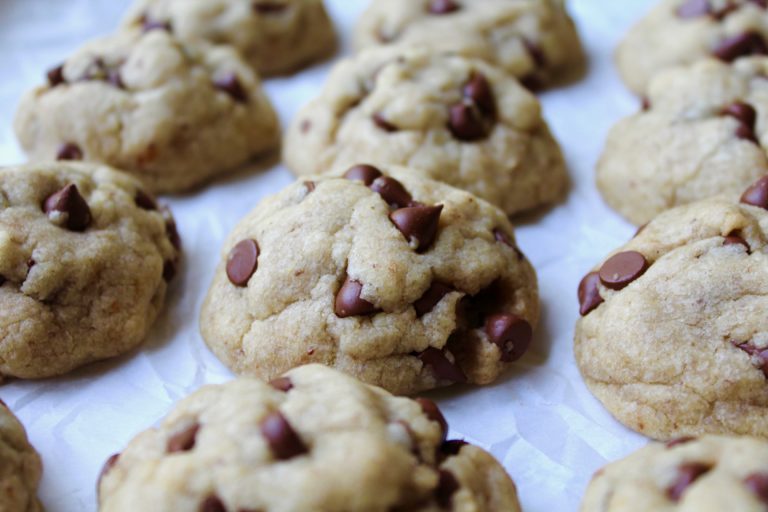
column 703, row 133
column 85, row 258
column 679, row 32
column 20, row 466
column 533, row 40
column 449, row 118
column 405, row 283
column 274, row 36
column 674, row 339
column 313, row 439
column 710, row 474
column 173, row 115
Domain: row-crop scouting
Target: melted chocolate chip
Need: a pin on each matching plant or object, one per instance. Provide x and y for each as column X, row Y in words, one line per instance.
column 446, row 488
column 392, row 191
column 418, row 224
column 511, row 333
column 283, row 384
column 442, row 367
column 623, row 268
column 466, row 122
column 735, row 239
column 743, row 112
column 69, row 151
column 282, row 439
column 67, row 208
column 443, row 6
column 56, row 76
column 479, row 92
column 746, row 133
column 230, row 84
column 757, row 483
column 348, row 301
column 383, row 123
column 145, row 201
column 432, row 411
column 693, row 9
column 363, row 172
column 242, row 262
column 183, row 441
column 742, row 45
column 212, row 504
column 686, row 475
column 589, row 293
column 431, row 298
column 757, row 194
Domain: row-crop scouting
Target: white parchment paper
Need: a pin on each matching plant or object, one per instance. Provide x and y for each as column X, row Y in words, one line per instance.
column 539, row 419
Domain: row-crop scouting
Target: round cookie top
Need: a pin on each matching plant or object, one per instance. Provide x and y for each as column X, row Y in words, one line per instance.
column 449, row 118
column 20, row 466
column 274, row 36
column 402, row 282
column 710, row 474
column 679, row 32
column 533, row 40
column 313, row 439
column 702, row 133
column 85, row 257
column 673, row 338
column 174, row 115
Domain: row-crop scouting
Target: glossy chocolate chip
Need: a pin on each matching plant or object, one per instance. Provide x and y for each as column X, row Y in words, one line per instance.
column 269, row 7
column 431, row 298
column 230, row 84
column 479, row 91
column 511, row 333
column 383, row 123
column 757, row 194
column 68, row 209
column 452, row 447
column 145, row 201
column 242, row 262
column 56, row 76
column 589, row 293
column 283, row 384
column 183, row 441
column 758, row 354
column 734, row 239
column 442, row 367
column 443, row 6
column 348, row 301
column 466, row 122
column 679, row 441
column 392, row 191
column 418, row 224
column 283, row 441
column 446, row 488
column 744, row 112
column 686, row 475
column 69, row 151
column 742, row 45
column 432, row 411
column 212, row 504
column 623, row 268
column 757, row 483
column 363, row 172
column 693, row 9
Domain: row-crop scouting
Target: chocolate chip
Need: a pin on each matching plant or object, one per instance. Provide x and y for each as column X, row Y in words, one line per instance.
column 348, row 301
column 443, row 6
column 145, row 201
column 452, row 447
column 446, row 488
column 363, row 172
column 645, row 104
column 381, row 122
column 511, row 333
column 183, row 441
column 757, row 483
column 418, row 224
column 443, row 368
column 623, row 268
column 242, row 262
column 269, row 7
column 310, row 185
column 758, row 354
column 56, row 76
column 283, row 384
column 679, row 441
column 693, row 9
column 686, row 475
column 431, row 298
column 589, row 293
column 466, row 122
column 536, row 53
column 283, row 440
column 231, row 85
column 474, row 310
column 744, row 112
column 735, row 239
column 170, row 228
column 479, row 91
column 212, row 504
column 68, row 208
column 746, row 133
column 742, row 45
column 69, row 151
column 757, row 194
column 432, row 411
column 169, row 270
column 392, row 191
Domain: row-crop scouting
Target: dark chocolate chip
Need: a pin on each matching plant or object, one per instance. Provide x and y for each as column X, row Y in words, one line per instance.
column 170, row 227
column 693, row 9
column 735, row 239
column 759, row 354
column 145, row 201
column 282, row 384
column 446, row 488
column 348, row 301
column 645, row 104
column 56, row 76
column 589, row 293
column 363, row 172
column 679, row 441
column 443, row 368
column 474, row 310
column 479, row 91
column 242, row 262
column 212, row 504
column 69, row 151
column 511, row 333
column 282, row 439
column 746, row 133
column 757, row 483
column 418, row 224
column 623, row 268
column 443, row 6
column 742, row 45
column 432, row 411
column 269, row 7
column 466, row 122
column 532, row 82
column 452, row 447
column 686, row 475
column 381, row 122
column 311, row 185
column 757, row 194
column 183, row 441
column 431, row 298
column 536, row 53
column 169, row 270
column 392, row 191
column 68, row 208
column 743, row 112
column 231, row 85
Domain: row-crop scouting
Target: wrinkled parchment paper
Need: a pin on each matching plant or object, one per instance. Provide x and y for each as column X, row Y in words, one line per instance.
column 539, row 419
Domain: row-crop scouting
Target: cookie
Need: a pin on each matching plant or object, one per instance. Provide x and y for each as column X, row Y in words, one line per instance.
column 274, row 36
column 710, row 474
column 449, row 118
column 703, row 133
column 533, row 40
column 673, row 339
column 20, row 466
column 313, row 439
column 173, row 115
column 681, row 32
column 405, row 283
column 85, row 261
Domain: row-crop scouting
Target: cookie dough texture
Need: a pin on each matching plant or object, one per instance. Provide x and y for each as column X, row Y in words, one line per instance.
column 703, row 134
column 172, row 114
column 20, row 466
column 355, row 448
column 314, row 238
column 73, row 294
column 710, row 474
column 681, row 32
column 533, row 40
column 682, row 349
column 393, row 106
column 273, row 36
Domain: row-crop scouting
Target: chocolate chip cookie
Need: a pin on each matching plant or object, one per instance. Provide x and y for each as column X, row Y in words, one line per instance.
column 20, row 466
column 702, row 133
column 446, row 117
column 314, row 439
column 710, row 474
column 172, row 114
column 403, row 282
column 674, row 339
column 533, row 40
column 274, row 36
column 681, row 32
column 85, row 259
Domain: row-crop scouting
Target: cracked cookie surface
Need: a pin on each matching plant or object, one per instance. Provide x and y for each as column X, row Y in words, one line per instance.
column 314, row 439
column 703, row 133
column 449, row 118
column 403, row 282
column 20, row 466
column 174, row 115
column 85, row 260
